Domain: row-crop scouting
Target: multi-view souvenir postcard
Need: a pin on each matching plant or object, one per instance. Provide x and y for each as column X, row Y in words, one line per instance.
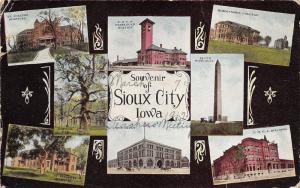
column 149, row 94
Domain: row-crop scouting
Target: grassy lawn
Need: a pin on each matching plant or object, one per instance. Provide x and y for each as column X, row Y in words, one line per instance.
column 255, row 54
column 34, row 174
column 230, row 128
column 60, row 50
column 74, row 130
column 21, row 56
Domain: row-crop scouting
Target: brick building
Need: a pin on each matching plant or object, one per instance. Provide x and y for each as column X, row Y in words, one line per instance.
column 53, row 163
column 149, row 154
column 251, row 157
column 151, row 54
column 42, row 34
column 234, row 32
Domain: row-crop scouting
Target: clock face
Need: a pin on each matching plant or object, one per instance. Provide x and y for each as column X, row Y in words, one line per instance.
column 149, row 28
column 143, row 28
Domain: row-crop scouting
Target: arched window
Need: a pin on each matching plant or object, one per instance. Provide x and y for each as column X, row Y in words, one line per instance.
column 167, row 163
column 141, row 163
column 149, row 163
column 134, row 163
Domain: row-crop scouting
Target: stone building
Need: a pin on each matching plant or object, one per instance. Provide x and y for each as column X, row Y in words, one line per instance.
column 112, row 163
column 281, row 43
column 151, row 54
column 44, row 34
column 234, row 32
column 53, row 162
column 150, row 154
column 251, row 157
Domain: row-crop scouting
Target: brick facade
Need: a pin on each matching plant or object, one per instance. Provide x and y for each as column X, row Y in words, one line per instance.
column 43, row 35
column 53, row 163
column 251, row 157
column 151, row 54
column 233, row 32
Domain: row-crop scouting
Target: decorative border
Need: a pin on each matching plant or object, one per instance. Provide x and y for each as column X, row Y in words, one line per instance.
column 47, row 81
column 200, row 150
column 251, row 88
column 98, row 150
column 200, row 36
column 98, row 43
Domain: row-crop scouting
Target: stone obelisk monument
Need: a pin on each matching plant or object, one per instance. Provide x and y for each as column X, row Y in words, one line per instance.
column 217, row 94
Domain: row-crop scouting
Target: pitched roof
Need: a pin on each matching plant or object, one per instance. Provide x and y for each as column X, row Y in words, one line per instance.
column 234, row 24
column 125, row 61
column 170, row 51
column 25, row 31
column 147, row 20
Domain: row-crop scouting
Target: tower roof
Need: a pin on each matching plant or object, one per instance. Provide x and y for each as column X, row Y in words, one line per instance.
column 218, row 63
column 147, row 20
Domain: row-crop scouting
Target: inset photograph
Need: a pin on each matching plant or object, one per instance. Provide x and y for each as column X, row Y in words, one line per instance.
column 260, row 154
column 217, row 93
column 35, row 153
column 37, row 36
column 149, row 43
column 148, row 148
column 262, row 36
column 81, row 89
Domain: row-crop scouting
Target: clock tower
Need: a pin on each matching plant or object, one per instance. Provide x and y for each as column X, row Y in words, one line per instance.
column 146, row 37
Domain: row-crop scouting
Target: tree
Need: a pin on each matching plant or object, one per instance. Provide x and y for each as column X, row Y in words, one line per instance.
column 53, row 21
column 238, row 160
column 81, row 152
column 9, row 40
column 260, row 38
column 76, row 17
column 82, row 75
column 44, row 143
column 268, row 40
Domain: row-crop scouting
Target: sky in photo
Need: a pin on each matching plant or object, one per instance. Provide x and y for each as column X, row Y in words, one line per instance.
column 169, row 31
column 281, row 135
column 232, row 85
column 15, row 22
column 276, row 25
column 118, row 139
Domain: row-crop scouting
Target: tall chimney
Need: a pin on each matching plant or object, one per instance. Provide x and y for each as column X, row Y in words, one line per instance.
column 117, row 57
column 160, row 45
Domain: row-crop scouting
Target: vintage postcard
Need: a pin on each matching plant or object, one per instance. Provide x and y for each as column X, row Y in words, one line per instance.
column 36, row 154
column 154, row 42
column 37, row 36
column 262, row 153
column 264, row 37
column 149, row 96
column 81, row 89
column 148, row 147
column 217, row 91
